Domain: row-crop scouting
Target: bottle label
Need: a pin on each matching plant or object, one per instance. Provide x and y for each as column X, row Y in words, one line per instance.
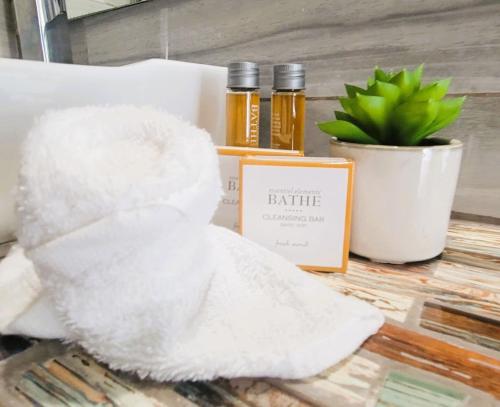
column 275, row 129
column 254, row 124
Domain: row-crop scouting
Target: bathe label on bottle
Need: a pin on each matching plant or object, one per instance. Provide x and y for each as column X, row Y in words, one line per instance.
column 299, row 208
column 254, row 124
column 227, row 213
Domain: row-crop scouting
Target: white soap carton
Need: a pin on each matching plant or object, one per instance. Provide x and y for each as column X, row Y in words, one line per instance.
column 299, row 207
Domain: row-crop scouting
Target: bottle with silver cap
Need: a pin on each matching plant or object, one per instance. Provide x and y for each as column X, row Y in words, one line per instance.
column 288, row 103
column 242, row 105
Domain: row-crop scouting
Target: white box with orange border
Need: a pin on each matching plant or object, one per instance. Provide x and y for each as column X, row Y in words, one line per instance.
column 227, row 213
column 299, row 207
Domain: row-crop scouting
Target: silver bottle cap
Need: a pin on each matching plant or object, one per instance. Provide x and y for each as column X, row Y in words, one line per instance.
column 243, row 75
column 289, row 76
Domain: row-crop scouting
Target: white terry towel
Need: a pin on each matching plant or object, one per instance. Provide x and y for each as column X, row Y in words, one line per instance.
column 114, row 211
column 19, row 287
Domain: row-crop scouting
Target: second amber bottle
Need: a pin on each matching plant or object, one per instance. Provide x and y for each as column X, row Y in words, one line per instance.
column 288, row 103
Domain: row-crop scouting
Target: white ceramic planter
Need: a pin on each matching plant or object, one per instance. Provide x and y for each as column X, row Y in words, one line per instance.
column 402, row 199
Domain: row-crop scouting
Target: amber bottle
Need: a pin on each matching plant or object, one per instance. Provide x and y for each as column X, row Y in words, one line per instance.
column 242, row 105
column 288, row 103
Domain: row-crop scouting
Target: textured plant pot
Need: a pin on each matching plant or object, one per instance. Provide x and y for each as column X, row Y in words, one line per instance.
column 402, row 199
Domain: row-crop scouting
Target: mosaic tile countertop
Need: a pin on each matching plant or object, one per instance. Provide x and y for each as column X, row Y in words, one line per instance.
column 440, row 346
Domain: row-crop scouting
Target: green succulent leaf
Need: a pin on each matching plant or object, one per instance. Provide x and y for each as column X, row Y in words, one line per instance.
column 346, row 131
column 347, row 104
column 359, row 115
column 352, row 90
column 411, row 118
column 436, row 91
column 416, row 76
column 347, row 118
column 380, row 75
column 390, row 92
column 406, row 83
column 376, row 109
column 363, row 120
column 448, row 112
column 344, row 116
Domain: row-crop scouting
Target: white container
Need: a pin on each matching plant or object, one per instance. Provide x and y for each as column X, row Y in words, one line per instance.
column 402, row 199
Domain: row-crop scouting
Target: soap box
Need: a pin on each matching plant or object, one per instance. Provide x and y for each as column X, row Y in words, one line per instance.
column 299, row 208
column 227, row 213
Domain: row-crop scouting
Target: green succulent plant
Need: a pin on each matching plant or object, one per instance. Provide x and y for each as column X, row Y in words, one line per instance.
column 394, row 109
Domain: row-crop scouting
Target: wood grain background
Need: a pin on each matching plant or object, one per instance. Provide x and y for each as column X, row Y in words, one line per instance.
column 338, row 41
column 121, row 36
column 8, row 45
column 341, row 41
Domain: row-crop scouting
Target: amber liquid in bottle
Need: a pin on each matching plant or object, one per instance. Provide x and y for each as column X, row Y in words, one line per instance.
column 242, row 117
column 288, row 119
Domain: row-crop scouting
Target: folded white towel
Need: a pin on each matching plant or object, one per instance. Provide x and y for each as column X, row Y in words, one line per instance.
column 114, row 211
column 19, row 287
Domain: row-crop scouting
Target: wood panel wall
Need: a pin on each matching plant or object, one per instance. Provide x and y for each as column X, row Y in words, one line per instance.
column 121, row 36
column 8, row 44
column 341, row 41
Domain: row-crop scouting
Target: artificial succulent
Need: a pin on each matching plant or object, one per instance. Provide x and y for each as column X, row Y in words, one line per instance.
column 394, row 109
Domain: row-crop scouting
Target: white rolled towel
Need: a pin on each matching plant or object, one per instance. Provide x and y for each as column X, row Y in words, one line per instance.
column 114, row 210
